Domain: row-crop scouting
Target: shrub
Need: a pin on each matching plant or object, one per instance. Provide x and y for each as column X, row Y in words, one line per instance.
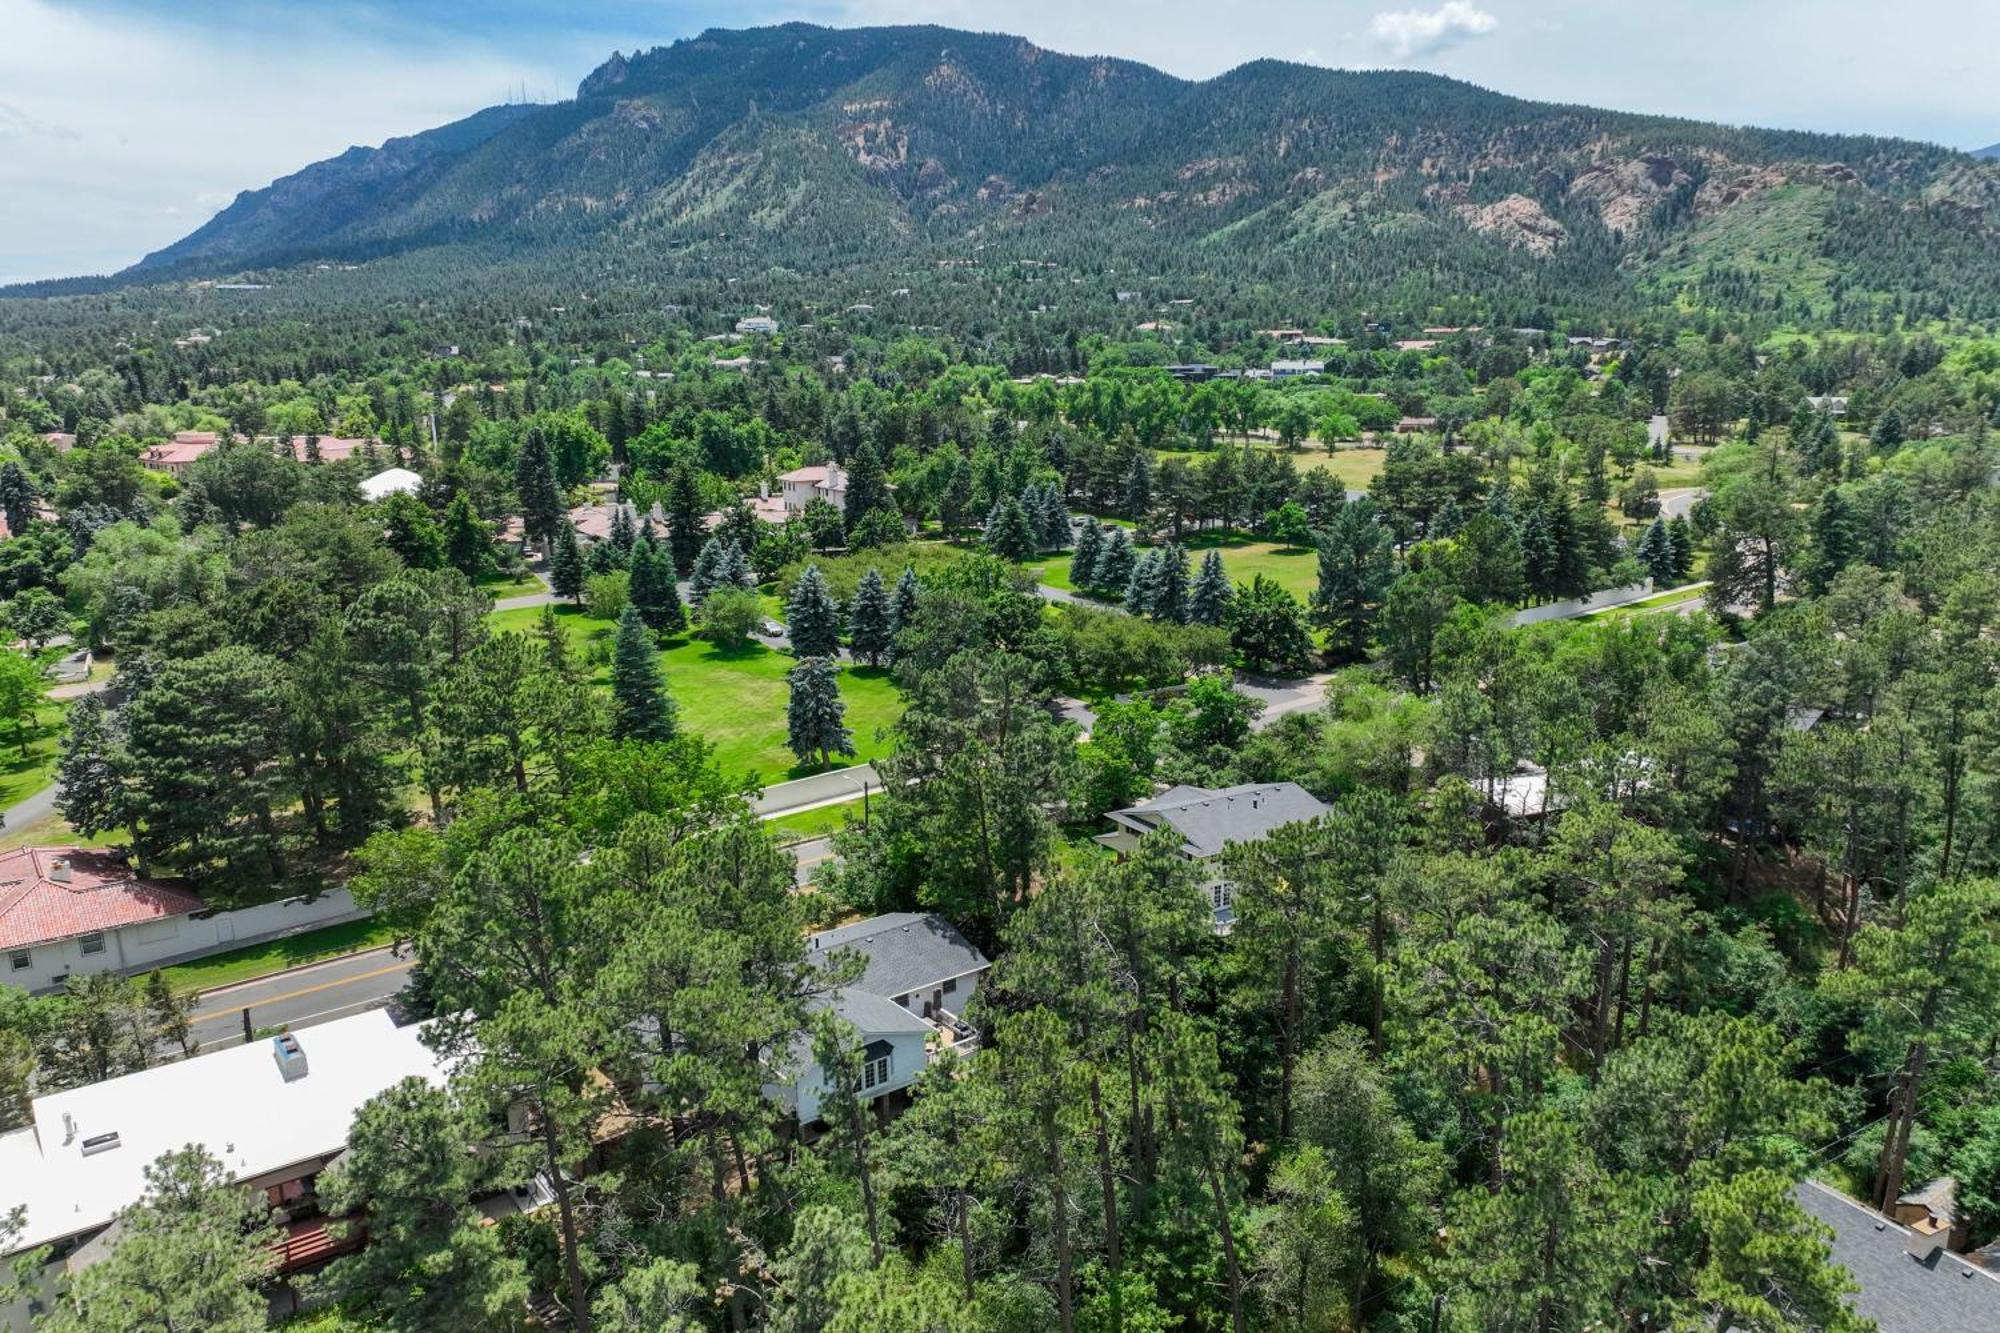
column 605, row 595
column 728, row 617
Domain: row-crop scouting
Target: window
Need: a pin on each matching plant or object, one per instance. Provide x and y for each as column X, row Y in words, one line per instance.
column 951, row 987
column 1221, row 894
column 875, row 1073
column 20, row 958
column 93, row 942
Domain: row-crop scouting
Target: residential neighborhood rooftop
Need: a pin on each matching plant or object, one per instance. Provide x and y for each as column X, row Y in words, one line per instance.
column 57, row 893
column 238, row 1103
column 1209, row 820
column 903, row 951
column 1909, row 1283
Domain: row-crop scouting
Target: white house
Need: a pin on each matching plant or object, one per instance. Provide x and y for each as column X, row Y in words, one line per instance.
column 274, row 1113
column 65, row 910
column 757, row 324
column 1207, row 821
column 1285, row 369
column 918, row 974
column 805, row 484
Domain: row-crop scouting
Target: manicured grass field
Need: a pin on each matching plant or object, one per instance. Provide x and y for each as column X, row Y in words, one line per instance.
column 736, row 701
column 261, row 960
column 814, row 823
column 1296, row 568
column 1354, row 465
column 24, row 772
column 499, row 586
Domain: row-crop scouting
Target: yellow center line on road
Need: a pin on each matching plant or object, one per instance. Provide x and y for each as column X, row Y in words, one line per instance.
column 303, row 990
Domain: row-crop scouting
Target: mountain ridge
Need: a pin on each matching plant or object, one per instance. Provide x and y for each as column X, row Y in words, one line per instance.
column 808, row 146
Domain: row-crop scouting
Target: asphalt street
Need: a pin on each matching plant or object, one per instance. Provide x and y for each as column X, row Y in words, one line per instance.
column 301, row 997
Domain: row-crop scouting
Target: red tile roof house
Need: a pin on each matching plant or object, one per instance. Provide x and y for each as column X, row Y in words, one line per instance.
column 65, row 910
column 332, row 448
column 177, row 455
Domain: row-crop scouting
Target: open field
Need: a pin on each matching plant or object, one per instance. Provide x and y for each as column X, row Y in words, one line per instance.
column 1354, row 465
column 1296, row 568
column 499, row 586
column 25, row 770
column 736, row 701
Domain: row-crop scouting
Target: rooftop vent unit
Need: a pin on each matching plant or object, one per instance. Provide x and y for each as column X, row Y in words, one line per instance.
column 59, row 870
column 98, row 1143
column 291, row 1056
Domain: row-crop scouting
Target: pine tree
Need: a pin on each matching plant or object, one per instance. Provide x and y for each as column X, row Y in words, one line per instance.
column 1089, row 545
column 1055, row 518
column 641, row 708
column 710, row 571
column 90, row 787
column 1170, row 585
column 867, row 489
column 1655, row 551
column 869, row 632
column 17, row 498
column 1682, row 537
column 653, row 592
column 816, row 717
column 1890, row 432
column 903, row 601
column 811, row 618
column 468, row 547
column 566, row 564
column 1209, row 599
column 1009, row 534
column 623, row 532
column 535, row 489
column 1142, row 590
column 1356, row 567
column 1113, row 570
column 736, row 571
column 1139, row 486
column 684, row 513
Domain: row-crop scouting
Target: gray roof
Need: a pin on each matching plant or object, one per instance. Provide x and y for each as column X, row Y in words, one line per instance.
column 874, row 1016
column 1909, row 1283
column 1940, row 1196
column 1208, row 820
column 903, row 950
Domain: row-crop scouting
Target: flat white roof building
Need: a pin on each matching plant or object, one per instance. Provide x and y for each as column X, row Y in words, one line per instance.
column 85, row 1156
column 393, row 481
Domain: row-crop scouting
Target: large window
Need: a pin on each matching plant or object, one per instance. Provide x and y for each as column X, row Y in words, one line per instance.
column 92, row 943
column 20, row 958
column 875, row 1073
column 1221, row 894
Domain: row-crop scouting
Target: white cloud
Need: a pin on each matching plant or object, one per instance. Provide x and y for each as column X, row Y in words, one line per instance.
column 1411, row 34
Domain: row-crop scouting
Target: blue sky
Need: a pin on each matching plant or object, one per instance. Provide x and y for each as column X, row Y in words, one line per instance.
column 124, row 125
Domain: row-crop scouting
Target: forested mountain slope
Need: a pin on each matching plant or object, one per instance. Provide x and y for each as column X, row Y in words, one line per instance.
column 813, row 147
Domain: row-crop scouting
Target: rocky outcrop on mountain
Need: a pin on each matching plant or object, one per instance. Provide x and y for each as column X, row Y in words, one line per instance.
column 1625, row 192
column 1517, row 220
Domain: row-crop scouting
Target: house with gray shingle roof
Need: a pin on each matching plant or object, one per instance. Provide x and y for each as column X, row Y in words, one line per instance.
column 1909, row 1282
column 908, row 1004
column 1209, row 820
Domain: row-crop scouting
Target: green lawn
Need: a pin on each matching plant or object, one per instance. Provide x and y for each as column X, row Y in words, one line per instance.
column 735, row 701
column 1354, row 465
column 1296, row 568
column 499, row 586
column 25, row 771
column 54, row 831
column 815, row 823
column 261, row 960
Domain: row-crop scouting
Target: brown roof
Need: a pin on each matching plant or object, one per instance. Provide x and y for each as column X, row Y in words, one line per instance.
column 100, row 893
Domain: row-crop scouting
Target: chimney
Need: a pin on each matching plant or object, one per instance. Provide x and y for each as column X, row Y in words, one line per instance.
column 291, row 1056
column 59, row 870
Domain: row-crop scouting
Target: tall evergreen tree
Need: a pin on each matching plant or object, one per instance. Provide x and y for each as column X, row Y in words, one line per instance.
column 869, row 632
column 535, row 489
column 903, row 602
column 566, row 569
column 1142, row 590
column 1113, row 571
column 710, row 571
column 811, row 618
column 1139, row 486
column 1681, row 537
column 641, row 708
column 90, row 788
column 867, row 489
column 816, row 718
column 1208, row 600
column 1089, row 545
column 1170, row 582
column 624, row 532
column 17, row 498
column 468, row 546
column 1656, row 552
column 684, row 511
column 653, row 591
column 1009, row 534
column 736, row 570
column 1356, row 567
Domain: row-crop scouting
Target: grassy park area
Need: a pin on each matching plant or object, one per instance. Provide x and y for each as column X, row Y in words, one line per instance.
column 1295, row 568
column 734, row 700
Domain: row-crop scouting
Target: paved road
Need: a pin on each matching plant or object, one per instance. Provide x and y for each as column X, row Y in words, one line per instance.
column 1680, row 502
column 811, row 855
column 842, row 784
column 33, row 807
column 301, row 997
column 1578, row 606
column 1284, row 696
